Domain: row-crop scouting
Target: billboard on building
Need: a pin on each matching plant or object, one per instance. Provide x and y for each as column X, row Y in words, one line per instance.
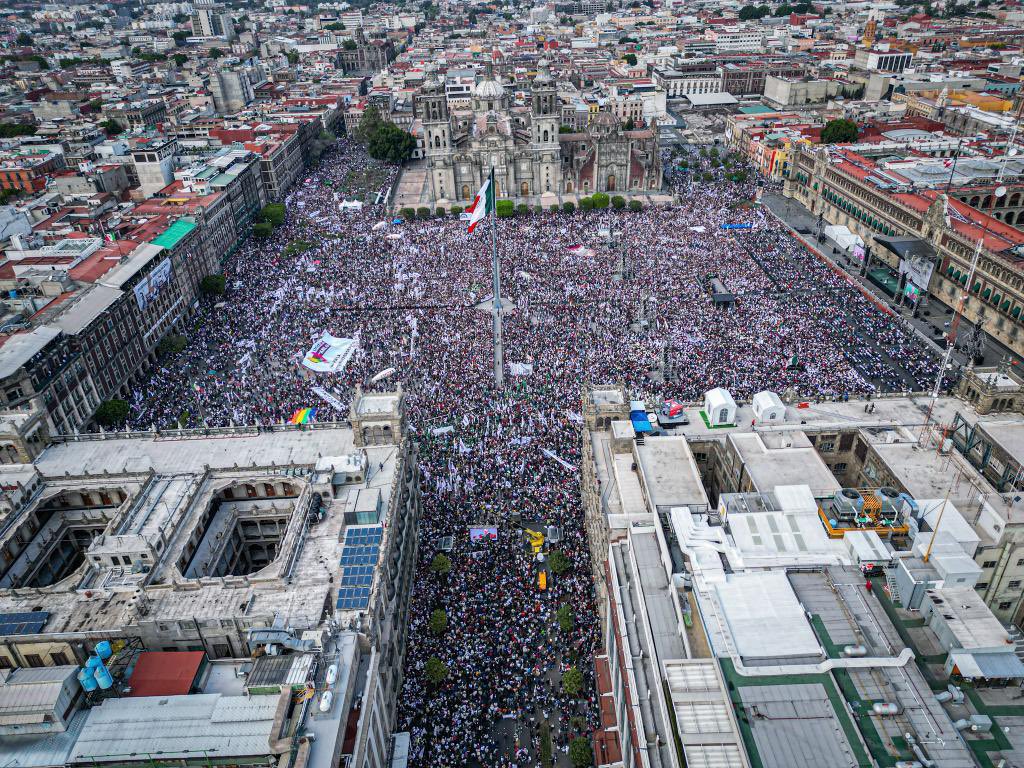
column 918, row 270
column 152, row 284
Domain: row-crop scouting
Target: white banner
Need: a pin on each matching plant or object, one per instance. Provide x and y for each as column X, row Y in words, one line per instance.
column 150, row 286
column 329, row 354
column 331, row 400
column 520, row 369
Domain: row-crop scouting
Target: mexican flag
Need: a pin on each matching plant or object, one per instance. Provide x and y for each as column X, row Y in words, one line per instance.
column 483, row 203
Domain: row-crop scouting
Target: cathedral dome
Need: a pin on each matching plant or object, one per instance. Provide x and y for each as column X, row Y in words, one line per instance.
column 489, row 89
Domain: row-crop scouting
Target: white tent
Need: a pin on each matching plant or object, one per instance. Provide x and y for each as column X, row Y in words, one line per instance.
column 768, row 408
column 719, row 407
column 843, row 237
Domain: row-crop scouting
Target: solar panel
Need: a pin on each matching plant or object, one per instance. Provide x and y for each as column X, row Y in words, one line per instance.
column 26, row 623
column 351, row 598
column 370, row 534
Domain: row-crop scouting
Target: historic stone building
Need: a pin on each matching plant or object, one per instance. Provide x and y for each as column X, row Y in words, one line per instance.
column 523, row 144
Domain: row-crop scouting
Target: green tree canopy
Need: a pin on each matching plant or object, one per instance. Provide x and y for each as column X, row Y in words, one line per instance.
column 24, row 39
column 565, row 620
column 111, row 127
column 212, row 285
column 438, row 622
column 840, row 131
column 273, row 213
column 572, row 681
column 391, row 143
column 216, row 53
column 601, row 200
column 581, row 754
column 180, row 59
column 436, row 671
column 557, row 562
column 112, row 413
column 630, row 58
column 441, row 564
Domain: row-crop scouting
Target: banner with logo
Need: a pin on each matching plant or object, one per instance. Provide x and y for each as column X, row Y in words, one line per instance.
column 330, row 354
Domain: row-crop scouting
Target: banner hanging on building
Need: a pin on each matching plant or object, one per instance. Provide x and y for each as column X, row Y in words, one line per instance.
column 150, row 286
column 330, row 354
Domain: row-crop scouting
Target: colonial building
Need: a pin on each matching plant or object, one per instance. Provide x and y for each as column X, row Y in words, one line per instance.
column 916, row 240
column 529, row 155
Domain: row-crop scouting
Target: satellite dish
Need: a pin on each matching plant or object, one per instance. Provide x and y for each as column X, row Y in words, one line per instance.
column 1000, row 191
column 1013, row 151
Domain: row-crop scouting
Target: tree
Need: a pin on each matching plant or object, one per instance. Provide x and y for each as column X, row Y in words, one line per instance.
column 565, row 620
column 111, row 127
column 600, row 200
column 10, row 130
column 456, row 210
column 179, row 36
column 436, row 670
column 504, row 209
column 783, row 10
column 749, row 12
column 618, row 202
column 24, row 39
column 408, row 213
column 423, row 212
column 438, row 622
column 293, row 58
column 216, row 53
column 262, row 229
column 441, row 564
column 568, row 206
column 112, row 412
column 630, row 124
column 840, row 131
column 369, row 124
column 439, row 211
column 635, row 205
column 391, row 143
column 586, row 203
column 212, row 285
column 171, row 344
column 273, row 213
column 522, row 209
column 580, row 753
column 557, row 562
column 180, row 59
column 572, row 681
column 630, row 58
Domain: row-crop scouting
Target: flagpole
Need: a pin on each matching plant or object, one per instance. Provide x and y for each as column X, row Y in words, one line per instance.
column 499, row 353
column 956, row 156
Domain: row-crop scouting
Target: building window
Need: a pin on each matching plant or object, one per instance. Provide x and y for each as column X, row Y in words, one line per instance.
column 827, row 446
column 989, row 564
column 1005, row 605
column 34, row 660
column 1014, row 584
column 981, row 585
column 840, row 467
column 59, row 659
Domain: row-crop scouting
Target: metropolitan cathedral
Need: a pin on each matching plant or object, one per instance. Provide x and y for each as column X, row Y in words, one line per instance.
column 523, row 145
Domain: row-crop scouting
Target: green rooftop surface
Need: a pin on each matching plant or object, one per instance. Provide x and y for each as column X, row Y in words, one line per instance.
column 175, row 233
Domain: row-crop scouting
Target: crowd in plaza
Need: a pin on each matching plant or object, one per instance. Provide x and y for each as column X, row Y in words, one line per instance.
column 600, row 296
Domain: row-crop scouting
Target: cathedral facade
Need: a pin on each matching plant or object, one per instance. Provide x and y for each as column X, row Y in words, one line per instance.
column 523, row 144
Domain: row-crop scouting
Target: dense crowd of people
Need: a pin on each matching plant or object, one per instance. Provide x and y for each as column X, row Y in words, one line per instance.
column 604, row 296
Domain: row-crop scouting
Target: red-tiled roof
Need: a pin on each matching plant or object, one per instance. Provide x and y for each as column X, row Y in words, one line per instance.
column 165, row 673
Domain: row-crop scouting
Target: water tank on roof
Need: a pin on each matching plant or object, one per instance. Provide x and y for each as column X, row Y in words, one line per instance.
column 92, row 662
column 86, row 679
column 103, row 650
column 103, row 678
column 325, row 701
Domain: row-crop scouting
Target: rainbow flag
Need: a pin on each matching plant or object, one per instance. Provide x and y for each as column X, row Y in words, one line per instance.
column 302, row 416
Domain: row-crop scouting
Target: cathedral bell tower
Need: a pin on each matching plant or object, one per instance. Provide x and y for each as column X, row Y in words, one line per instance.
column 432, row 109
column 546, row 118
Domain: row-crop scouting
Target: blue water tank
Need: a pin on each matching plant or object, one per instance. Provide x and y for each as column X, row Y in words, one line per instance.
column 103, row 678
column 87, row 680
column 93, row 661
column 103, row 649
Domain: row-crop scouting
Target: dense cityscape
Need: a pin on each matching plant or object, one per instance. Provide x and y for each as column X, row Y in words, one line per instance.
column 511, row 385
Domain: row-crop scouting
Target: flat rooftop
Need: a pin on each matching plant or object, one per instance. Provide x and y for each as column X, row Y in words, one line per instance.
column 181, row 455
column 670, row 472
